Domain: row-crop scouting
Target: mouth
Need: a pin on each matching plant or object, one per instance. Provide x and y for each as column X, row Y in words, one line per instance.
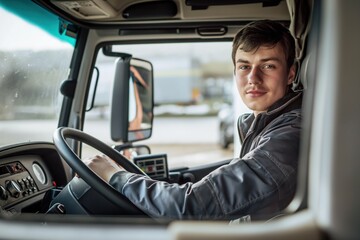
column 255, row 93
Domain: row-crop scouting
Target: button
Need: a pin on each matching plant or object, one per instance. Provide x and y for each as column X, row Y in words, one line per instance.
column 13, row 188
column 21, row 184
column 27, row 183
column 3, row 193
column 31, row 181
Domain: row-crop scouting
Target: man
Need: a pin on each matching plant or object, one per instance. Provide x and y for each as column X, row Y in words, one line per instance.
column 260, row 183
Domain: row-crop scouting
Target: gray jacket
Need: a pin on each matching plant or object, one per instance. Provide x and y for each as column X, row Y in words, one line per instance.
column 259, row 184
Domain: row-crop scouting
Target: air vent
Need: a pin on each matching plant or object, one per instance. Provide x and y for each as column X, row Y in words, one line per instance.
column 87, row 9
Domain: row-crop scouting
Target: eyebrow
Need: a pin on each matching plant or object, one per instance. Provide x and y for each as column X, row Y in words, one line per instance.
column 261, row 60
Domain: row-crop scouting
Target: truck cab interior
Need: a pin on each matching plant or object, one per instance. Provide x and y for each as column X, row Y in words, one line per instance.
column 115, row 72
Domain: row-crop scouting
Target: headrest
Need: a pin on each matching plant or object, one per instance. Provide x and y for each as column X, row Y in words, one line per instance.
column 304, row 71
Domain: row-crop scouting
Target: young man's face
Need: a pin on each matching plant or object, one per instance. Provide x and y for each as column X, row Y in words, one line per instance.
column 262, row 76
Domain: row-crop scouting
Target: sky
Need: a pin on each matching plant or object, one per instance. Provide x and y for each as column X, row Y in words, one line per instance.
column 32, row 39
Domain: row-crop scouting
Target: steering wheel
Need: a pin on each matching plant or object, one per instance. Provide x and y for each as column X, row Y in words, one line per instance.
column 91, row 178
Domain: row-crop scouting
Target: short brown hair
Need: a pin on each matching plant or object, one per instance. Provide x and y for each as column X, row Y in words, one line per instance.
column 265, row 32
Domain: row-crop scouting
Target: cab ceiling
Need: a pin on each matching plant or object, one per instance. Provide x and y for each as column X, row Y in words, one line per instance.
column 92, row 13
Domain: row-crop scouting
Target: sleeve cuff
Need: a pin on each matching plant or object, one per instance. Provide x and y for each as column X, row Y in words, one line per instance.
column 119, row 179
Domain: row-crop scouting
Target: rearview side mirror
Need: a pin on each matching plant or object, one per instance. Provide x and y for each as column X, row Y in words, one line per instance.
column 141, row 100
column 132, row 100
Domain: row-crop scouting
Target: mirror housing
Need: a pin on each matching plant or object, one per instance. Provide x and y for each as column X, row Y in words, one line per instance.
column 132, row 151
column 132, row 98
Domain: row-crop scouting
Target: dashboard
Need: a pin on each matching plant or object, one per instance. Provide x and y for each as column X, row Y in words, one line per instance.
column 28, row 172
column 33, row 174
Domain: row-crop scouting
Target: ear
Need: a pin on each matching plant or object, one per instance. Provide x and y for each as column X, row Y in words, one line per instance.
column 291, row 74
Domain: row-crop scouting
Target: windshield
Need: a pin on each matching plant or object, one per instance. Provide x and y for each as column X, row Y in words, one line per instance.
column 186, row 124
column 33, row 64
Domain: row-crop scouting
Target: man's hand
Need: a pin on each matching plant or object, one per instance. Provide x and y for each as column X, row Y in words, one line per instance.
column 103, row 166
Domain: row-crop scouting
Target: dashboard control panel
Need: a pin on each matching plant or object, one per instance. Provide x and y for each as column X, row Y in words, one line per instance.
column 154, row 165
column 16, row 183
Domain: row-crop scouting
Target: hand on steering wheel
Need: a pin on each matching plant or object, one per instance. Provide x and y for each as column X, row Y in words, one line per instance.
column 103, row 166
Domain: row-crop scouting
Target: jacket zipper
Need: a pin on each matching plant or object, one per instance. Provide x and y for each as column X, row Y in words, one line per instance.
column 247, row 137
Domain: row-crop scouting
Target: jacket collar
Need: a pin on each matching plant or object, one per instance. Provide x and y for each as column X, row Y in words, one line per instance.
column 292, row 100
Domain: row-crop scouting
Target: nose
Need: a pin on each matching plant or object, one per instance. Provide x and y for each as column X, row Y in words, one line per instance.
column 254, row 76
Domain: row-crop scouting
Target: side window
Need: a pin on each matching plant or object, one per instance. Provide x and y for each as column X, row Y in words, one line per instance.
column 32, row 66
column 186, row 117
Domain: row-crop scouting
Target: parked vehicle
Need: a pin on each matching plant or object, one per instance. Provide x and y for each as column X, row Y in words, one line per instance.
column 226, row 126
column 49, row 83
